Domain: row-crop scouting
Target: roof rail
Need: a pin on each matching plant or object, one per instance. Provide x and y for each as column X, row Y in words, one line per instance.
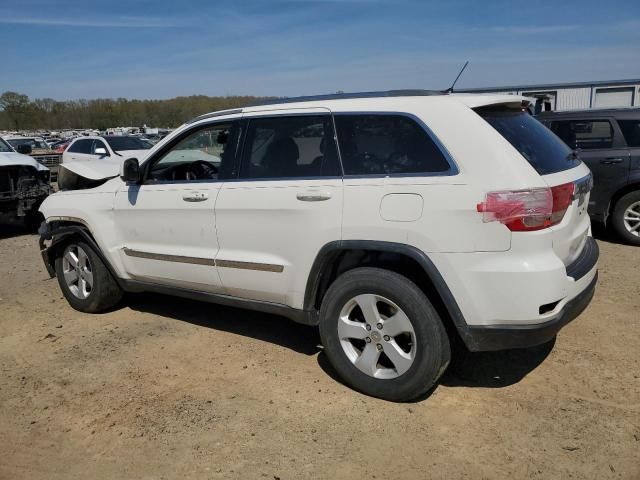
column 214, row 114
column 344, row 96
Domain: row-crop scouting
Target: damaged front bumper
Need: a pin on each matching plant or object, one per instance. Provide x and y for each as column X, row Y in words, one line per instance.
column 45, row 243
column 22, row 190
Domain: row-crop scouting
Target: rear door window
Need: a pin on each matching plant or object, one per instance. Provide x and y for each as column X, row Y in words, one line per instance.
column 584, row 134
column 387, row 144
column 290, row 147
column 631, row 132
column 542, row 149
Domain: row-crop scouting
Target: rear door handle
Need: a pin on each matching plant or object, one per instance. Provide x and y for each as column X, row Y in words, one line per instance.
column 194, row 196
column 611, row 161
column 313, row 196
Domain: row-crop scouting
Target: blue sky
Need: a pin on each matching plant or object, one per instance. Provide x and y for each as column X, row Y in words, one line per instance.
column 161, row 49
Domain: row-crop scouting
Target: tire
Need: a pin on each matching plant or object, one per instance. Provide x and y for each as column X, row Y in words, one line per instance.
column 623, row 221
column 425, row 352
column 33, row 220
column 94, row 289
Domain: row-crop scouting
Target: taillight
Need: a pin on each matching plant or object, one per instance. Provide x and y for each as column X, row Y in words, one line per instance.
column 562, row 198
column 519, row 210
column 527, row 210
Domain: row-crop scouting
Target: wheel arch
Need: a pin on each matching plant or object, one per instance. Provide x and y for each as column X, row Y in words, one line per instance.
column 336, row 258
column 61, row 232
column 632, row 186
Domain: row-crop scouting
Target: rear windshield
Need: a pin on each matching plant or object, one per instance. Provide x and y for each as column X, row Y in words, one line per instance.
column 32, row 142
column 4, row 147
column 542, row 149
column 118, row 143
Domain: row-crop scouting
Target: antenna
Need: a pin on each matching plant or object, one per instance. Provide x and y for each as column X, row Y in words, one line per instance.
column 450, row 89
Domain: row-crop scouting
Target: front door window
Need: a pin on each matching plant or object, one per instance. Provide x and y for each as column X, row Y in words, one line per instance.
column 197, row 157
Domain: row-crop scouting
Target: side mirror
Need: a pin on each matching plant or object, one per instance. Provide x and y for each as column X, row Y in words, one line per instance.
column 130, row 170
column 100, row 151
column 24, row 148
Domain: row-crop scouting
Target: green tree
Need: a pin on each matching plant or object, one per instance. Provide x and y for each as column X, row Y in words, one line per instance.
column 101, row 113
column 16, row 107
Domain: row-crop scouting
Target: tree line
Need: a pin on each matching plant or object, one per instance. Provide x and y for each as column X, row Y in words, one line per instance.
column 18, row 112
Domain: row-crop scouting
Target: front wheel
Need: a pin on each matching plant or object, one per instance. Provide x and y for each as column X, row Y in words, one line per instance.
column 626, row 218
column 382, row 335
column 84, row 280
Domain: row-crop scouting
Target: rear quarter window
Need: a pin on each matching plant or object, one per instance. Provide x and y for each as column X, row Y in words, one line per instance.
column 584, row 134
column 387, row 144
column 631, row 132
column 544, row 151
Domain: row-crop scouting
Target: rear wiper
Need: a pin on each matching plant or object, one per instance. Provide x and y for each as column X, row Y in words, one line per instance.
column 574, row 154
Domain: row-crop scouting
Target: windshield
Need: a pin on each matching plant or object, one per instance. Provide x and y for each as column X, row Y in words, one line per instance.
column 4, row 147
column 118, row 143
column 32, row 142
column 537, row 144
column 147, row 142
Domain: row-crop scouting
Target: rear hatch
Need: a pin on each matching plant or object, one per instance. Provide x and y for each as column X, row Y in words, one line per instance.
column 568, row 178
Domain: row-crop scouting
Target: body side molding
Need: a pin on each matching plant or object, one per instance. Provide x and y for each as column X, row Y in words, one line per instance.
column 169, row 258
column 262, row 267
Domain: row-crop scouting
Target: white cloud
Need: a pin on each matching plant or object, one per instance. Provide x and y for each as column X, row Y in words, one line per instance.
column 119, row 22
column 529, row 29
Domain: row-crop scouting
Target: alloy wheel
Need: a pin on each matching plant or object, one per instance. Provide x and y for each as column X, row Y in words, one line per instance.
column 377, row 336
column 632, row 219
column 77, row 270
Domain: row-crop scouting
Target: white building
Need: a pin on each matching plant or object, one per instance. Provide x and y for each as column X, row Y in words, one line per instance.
column 575, row 96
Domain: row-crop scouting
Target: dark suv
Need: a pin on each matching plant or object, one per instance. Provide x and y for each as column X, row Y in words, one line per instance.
column 608, row 141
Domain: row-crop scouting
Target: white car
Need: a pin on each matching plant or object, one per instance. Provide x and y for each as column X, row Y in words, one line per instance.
column 398, row 222
column 94, row 158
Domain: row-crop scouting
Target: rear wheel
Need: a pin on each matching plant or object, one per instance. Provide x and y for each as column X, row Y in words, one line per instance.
column 84, row 279
column 382, row 335
column 625, row 219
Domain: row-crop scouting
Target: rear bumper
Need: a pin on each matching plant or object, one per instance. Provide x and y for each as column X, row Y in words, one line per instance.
column 503, row 337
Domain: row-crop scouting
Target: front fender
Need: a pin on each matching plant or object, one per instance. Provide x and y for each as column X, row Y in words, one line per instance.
column 55, row 236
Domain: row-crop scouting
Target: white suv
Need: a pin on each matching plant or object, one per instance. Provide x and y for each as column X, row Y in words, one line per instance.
column 92, row 158
column 396, row 221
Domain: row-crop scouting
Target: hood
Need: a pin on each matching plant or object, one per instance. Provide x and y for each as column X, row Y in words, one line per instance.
column 101, row 168
column 139, row 154
column 11, row 158
column 94, row 169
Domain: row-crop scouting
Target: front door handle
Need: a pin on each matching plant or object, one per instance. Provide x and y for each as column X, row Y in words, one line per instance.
column 194, row 196
column 611, row 161
column 313, row 196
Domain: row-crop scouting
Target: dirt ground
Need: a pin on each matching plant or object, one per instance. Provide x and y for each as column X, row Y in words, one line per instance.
column 166, row 388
